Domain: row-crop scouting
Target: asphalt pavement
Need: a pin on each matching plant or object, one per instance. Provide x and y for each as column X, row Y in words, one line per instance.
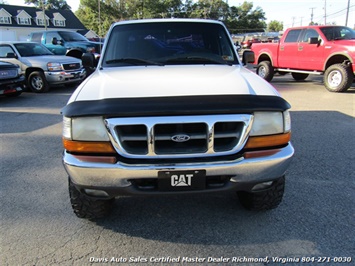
column 314, row 223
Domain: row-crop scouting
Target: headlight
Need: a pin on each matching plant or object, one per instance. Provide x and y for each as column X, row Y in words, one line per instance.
column 85, row 129
column 54, row 67
column 267, row 123
column 269, row 130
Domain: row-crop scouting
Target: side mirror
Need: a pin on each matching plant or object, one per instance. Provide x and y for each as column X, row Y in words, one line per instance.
column 248, row 57
column 54, row 41
column 313, row 40
column 11, row 55
column 88, row 60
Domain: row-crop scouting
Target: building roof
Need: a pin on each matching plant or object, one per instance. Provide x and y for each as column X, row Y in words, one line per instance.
column 71, row 21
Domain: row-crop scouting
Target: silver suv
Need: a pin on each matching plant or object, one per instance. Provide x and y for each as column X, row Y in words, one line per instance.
column 42, row 68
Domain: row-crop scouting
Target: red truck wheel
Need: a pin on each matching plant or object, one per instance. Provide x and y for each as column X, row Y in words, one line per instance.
column 338, row 78
column 265, row 70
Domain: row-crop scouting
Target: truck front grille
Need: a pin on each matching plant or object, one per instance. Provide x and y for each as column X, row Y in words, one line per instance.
column 179, row 136
column 71, row 66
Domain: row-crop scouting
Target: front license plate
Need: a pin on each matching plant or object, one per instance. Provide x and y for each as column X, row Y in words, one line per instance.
column 181, row 180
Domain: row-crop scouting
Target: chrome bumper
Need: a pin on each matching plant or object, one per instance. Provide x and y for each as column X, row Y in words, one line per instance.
column 119, row 175
column 63, row 77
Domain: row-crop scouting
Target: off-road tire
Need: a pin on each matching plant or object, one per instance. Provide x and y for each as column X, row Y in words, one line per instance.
column 265, row 70
column 338, row 78
column 299, row 76
column 263, row 200
column 37, row 82
column 87, row 207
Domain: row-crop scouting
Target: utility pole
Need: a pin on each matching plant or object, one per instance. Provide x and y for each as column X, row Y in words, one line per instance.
column 347, row 13
column 44, row 16
column 99, row 7
column 325, row 12
column 293, row 21
column 301, row 20
column 312, row 15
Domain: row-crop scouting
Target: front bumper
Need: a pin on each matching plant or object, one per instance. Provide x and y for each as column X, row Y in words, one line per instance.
column 12, row 86
column 119, row 178
column 64, row 77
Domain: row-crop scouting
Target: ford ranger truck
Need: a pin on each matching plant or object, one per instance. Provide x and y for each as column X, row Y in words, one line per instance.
column 170, row 109
column 310, row 50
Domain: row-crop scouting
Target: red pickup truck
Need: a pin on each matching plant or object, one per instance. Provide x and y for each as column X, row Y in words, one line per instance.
column 320, row 50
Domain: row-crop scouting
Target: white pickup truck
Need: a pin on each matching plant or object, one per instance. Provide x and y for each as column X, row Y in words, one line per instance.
column 171, row 109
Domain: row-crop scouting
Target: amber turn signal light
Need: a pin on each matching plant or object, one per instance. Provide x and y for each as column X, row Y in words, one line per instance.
column 268, row 141
column 88, row 146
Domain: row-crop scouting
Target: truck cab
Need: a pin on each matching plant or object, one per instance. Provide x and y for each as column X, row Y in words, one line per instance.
column 66, row 43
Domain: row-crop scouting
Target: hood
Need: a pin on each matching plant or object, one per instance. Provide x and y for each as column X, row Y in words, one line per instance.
column 86, row 44
column 44, row 59
column 162, row 81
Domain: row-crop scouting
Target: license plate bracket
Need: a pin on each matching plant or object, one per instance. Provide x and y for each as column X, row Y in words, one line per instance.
column 181, row 180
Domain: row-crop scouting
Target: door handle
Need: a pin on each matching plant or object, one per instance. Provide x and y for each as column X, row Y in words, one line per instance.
column 300, row 48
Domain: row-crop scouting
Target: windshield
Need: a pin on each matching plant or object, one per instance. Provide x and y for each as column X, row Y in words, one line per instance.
column 72, row 36
column 169, row 43
column 338, row 33
column 32, row 49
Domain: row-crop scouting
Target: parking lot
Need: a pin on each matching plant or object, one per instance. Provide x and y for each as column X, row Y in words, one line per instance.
column 315, row 220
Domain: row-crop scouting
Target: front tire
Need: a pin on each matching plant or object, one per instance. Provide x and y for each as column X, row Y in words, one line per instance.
column 265, row 199
column 338, row 78
column 37, row 82
column 265, row 70
column 87, row 207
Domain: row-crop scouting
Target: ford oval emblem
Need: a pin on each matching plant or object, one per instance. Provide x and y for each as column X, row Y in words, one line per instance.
column 180, row 138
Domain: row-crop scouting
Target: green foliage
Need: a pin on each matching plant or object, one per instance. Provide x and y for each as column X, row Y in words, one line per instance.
column 49, row 4
column 98, row 15
column 275, row 25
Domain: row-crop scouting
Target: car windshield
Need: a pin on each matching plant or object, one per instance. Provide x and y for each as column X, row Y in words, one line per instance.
column 72, row 36
column 32, row 49
column 170, row 43
column 338, row 33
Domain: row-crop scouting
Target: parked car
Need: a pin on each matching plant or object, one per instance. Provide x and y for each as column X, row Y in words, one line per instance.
column 11, row 79
column 40, row 67
column 248, row 41
column 310, row 50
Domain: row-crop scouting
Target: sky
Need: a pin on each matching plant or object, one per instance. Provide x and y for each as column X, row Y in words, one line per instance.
column 291, row 13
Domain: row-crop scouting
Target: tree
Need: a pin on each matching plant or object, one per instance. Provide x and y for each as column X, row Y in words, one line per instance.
column 237, row 19
column 49, row 4
column 275, row 25
column 244, row 19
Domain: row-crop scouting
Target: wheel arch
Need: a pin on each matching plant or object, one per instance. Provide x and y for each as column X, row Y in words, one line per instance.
column 265, row 57
column 339, row 58
column 75, row 52
column 29, row 70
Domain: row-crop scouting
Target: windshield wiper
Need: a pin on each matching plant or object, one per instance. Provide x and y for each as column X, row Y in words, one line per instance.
column 194, row 59
column 133, row 61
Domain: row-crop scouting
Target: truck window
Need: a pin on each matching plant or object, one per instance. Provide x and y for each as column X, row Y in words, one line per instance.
column 338, row 33
column 161, row 42
column 310, row 33
column 36, row 37
column 50, row 36
column 292, row 35
column 4, row 50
